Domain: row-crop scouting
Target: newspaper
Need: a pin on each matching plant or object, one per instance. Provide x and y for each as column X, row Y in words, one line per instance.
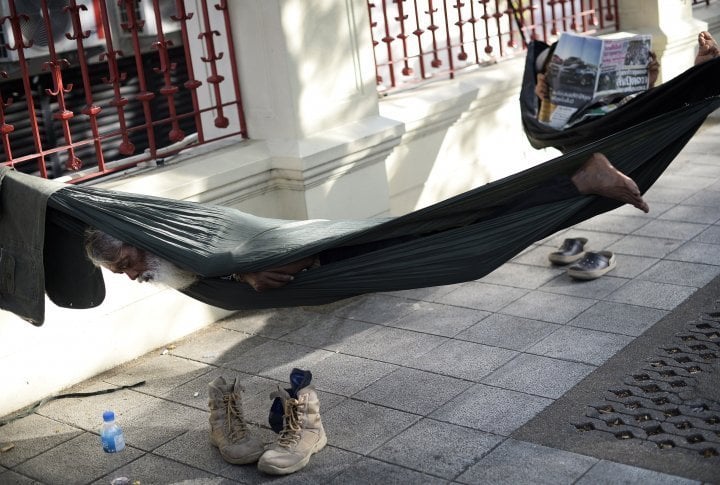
column 585, row 72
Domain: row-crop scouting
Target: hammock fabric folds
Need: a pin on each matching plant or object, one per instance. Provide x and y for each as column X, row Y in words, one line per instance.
column 695, row 84
column 214, row 241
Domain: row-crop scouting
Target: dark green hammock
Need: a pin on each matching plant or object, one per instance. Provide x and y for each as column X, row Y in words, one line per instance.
column 214, row 241
column 695, row 84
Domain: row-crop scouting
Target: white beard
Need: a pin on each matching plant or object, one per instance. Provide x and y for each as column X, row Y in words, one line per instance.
column 165, row 273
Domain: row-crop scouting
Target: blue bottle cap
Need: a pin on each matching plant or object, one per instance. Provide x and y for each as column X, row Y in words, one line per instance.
column 108, row 416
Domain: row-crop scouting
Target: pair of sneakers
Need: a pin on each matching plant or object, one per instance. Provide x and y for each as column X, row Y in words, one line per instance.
column 585, row 264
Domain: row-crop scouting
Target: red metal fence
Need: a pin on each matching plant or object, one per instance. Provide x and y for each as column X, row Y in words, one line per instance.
column 417, row 40
column 92, row 87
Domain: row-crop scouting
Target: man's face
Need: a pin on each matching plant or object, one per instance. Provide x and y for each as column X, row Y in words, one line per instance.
column 145, row 267
column 132, row 262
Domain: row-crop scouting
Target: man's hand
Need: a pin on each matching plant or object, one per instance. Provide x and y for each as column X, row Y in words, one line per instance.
column 653, row 69
column 541, row 87
column 275, row 277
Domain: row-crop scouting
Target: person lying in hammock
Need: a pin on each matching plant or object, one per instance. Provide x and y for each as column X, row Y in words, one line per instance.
column 707, row 49
column 597, row 176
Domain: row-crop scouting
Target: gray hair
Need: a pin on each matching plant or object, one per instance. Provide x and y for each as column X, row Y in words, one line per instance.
column 101, row 248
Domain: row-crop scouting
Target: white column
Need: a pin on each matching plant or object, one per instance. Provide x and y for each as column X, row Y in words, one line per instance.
column 672, row 26
column 307, row 76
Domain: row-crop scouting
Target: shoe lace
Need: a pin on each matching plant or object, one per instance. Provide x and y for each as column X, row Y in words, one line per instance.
column 290, row 434
column 235, row 421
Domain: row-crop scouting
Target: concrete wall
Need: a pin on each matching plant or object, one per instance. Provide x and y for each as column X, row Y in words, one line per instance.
column 323, row 146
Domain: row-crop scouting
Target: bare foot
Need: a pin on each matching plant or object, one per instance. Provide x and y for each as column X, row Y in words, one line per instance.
column 707, row 48
column 597, row 176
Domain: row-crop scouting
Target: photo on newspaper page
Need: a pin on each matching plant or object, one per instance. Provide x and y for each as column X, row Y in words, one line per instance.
column 588, row 75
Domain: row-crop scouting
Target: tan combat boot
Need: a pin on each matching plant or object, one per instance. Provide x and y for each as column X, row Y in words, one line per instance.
column 228, row 430
column 301, row 436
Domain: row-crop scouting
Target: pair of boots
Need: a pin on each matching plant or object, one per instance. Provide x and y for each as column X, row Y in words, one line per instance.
column 294, row 415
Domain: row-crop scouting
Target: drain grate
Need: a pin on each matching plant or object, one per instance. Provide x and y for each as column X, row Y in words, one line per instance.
column 673, row 401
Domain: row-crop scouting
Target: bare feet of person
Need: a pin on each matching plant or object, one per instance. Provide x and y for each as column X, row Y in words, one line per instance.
column 707, row 48
column 597, row 176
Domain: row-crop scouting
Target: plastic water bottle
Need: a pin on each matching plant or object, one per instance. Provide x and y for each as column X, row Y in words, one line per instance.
column 110, row 434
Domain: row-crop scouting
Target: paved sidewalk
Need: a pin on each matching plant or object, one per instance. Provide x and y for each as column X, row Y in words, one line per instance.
column 421, row 386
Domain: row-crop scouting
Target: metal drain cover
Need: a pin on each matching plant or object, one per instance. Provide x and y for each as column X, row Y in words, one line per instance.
column 655, row 404
column 674, row 400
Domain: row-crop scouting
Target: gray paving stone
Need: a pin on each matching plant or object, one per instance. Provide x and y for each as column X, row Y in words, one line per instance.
column 86, row 412
column 548, row 307
column 678, row 179
column 609, row 473
column 413, row 391
column 9, row 477
column 79, row 460
column 645, row 246
column 271, row 323
column 157, row 469
column 330, row 333
column 521, row 463
column 541, row 376
column 692, row 213
column 715, row 186
column 681, row 273
column 596, row 239
column 668, row 195
column 709, row 198
column 361, row 427
column 671, row 229
column 507, row 331
column 215, row 345
column 346, row 374
column 536, row 255
column 195, row 450
column 491, row 409
column 482, row 296
column 465, row 360
column 521, row 276
column 371, row 472
column 453, row 448
column 663, row 296
column 276, row 359
column 696, row 252
column 32, row 435
column 160, row 372
column 618, row 318
column 630, row 266
column 393, row 345
column 711, row 235
column 610, row 223
column 158, row 422
column 439, row 319
column 431, row 293
column 581, row 345
column 598, row 288
column 323, row 466
column 376, row 308
column 334, row 306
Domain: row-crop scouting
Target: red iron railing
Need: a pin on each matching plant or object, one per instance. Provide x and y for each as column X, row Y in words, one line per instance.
column 91, row 87
column 418, row 40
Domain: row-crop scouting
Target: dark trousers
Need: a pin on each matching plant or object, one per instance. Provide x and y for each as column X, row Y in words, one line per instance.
column 558, row 188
